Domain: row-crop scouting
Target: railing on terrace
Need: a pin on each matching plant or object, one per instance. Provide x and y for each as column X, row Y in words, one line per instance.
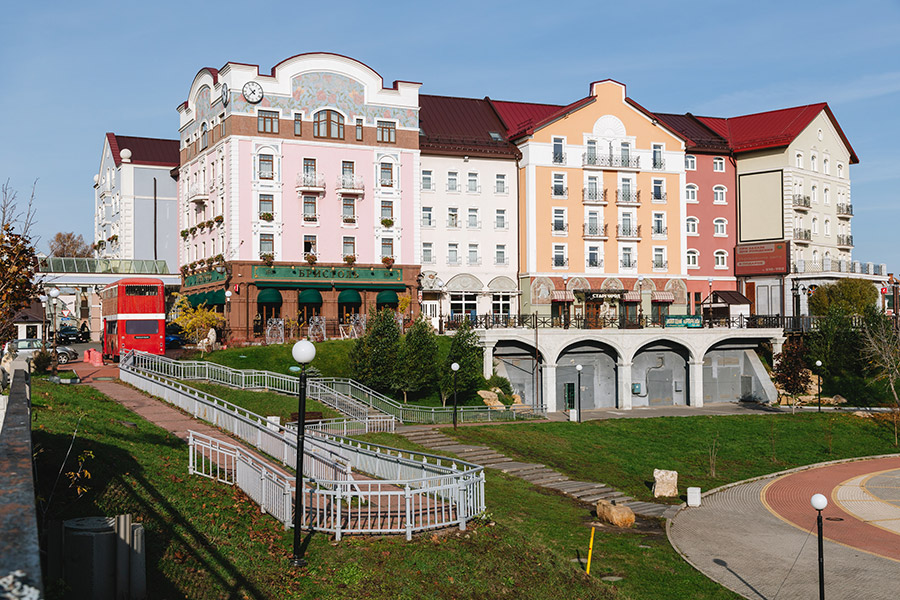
column 625, row 160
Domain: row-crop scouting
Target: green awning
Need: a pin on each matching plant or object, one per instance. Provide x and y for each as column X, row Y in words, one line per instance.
column 387, row 297
column 215, row 297
column 269, row 296
column 349, row 297
column 197, row 299
column 309, row 297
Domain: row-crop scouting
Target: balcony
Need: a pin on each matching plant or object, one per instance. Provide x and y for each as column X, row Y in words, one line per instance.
column 593, row 196
column 350, row 184
column 658, row 196
column 845, row 240
column 628, row 232
column 800, row 202
column 311, row 182
column 660, row 265
column 595, row 231
column 559, row 191
column 474, row 260
column 453, row 260
column 501, row 260
column 559, row 228
column 628, row 263
column 348, row 219
column 659, row 162
column 559, row 158
column 473, row 189
column 501, row 226
column 628, row 197
column 452, row 223
column 311, row 218
column 388, row 184
column 615, row 161
column 844, row 211
column 802, row 235
column 427, row 259
column 560, row 262
column 659, row 232
column 594, row 263
column 501, row 189
column 197, row 195
column 473, row 224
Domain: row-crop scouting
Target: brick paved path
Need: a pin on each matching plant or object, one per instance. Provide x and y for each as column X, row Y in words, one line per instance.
column 747, row 537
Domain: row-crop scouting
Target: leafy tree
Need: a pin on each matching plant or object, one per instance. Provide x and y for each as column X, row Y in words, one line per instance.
column 837, row 344
column 881, row 347
column 18, row 260
column 69, row 244
column 790, row 368
column 853, row 296
column 465, row 350
column 374, row 357
column 418, row 367
column 196, row 322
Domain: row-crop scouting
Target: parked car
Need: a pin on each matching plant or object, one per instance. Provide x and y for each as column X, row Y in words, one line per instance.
column 68, row 335
column 175, row 340
column 29, row 346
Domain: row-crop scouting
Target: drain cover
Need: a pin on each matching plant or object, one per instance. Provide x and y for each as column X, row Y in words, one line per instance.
column 833, row 519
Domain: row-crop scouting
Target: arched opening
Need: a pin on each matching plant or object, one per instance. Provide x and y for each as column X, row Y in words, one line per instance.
column 732, row 371
column 309, row 304
column 659, row 374
column 349, row 303
column 387, row 299
column 599, row 376
column 518, row 362
column 268, row 306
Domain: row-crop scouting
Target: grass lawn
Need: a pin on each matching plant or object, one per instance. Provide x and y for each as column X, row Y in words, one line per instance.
column 263, row 403
column 623, row 452
column 208, row 541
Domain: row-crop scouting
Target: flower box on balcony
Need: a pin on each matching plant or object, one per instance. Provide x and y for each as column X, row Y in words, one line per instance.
column 219, row 219
column 350, row 259
column 387, row 261
column 266, row 216
column 388, row 223
column 185, row 233
column 268, row 258
column 311, row 258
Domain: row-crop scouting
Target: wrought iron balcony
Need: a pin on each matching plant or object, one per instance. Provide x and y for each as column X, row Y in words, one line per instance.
column 628, row 263
column 845, row 210
column 628, row 197
column 659, row 230
column 628, row 231
column 559, row 227
column 802, row 235
column 350, row 184
column 616, row 161
column 593, row 196
column 560, row 261
column 310, row 182
column 660, row 264
column 658, row 196
column 559, row 158
column 594, row 263
column 595, row 230
column 800, row 201
column 659, row 162
column 559, row 191
column 845, row 240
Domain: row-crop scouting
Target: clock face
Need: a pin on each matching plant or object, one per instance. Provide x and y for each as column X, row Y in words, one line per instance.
column 225, row 94
column 253, row 92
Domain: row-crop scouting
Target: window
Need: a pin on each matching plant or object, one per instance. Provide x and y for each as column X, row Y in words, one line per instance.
column 840, row 170
column 692, row 258
column 659, row 223
column 328, row 124
column 204, row 136
column 386, row 132
column 812, row 162
column 349, row 246
column 626, row 153
column 359, row 130
column 473, row 183
column 309, row 166
column 501, row 304
column 719, row 195
column 473, row 254
column 298, row 123
column 387, row 247
column 826, row 167
column 559, row 220
column 721, row 259
column 453, row 217
column 691, row 224
column 427, row 214
column 427, row 181
column 593, row 257
column 266, row 166
column 659, row 192
column 658, row 161
column 559, row 185
column 559, row 156
column 453, row 253
column 500, row 218
column 500, row 254
column 559, row 255
column 267, row 121
column 628, row 261
column 690, row 162
column 387, row 175
column 267, row 243
column 827, row 227
column 348, row 209
column 495, row 136
column 472, row 222
column 720, row 227
column 719, row 164
column 592, row 193
column 222, row 125
column 814, row 195
column 387, row 209
column 452, row 181
column 815, row 225
column 591, row 158
column 500, row 184
column 659, row 258
column 690, row 193
column 309, row 209
column 427, row 253
column 266, row 204
column 799, row 160
column 463, row 303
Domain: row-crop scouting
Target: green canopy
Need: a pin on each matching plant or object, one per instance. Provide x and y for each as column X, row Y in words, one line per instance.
column 215, row 297
column 349, row 297
column 387, row 297
column 309, row 297
column 269, row 296
column 197, row 299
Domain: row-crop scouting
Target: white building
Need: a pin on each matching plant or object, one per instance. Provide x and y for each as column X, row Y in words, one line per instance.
column 469, row 209
column 135, row 202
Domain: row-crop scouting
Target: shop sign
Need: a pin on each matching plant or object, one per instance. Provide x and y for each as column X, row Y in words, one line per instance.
column 762, row 259
column 307, row 273
column 204, row 277
column 600, row 295
column 690, row 321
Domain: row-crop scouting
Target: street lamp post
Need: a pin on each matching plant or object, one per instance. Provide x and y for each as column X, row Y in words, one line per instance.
column 54, row 300
column 43, row 299
column 227, row 314
column 819, row 372
column 303, row 352
column 578, row 369
column 819, row 502
column 641, row 301
column 455, row 368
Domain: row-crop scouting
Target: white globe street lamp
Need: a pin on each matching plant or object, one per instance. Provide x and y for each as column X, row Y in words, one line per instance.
column 303, row 352
column 819, row 502
column 454, row 367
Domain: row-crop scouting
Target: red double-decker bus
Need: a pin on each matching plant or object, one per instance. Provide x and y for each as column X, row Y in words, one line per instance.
column 134, row 317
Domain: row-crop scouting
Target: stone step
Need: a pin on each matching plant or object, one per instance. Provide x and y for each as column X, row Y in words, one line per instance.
column 538, row 474
column 515, row 467
column 617, row 496
column 570, row 487
column 494, row 460
column 456, row 448
column 543, row 482
column 598, row 489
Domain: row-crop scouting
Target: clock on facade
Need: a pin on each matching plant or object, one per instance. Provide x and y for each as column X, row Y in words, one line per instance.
column 252, row 91
column 224, row 94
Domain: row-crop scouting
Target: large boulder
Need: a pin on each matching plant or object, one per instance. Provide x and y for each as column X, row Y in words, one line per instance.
column 620, row 516
column 490, row 398
column 665, row 483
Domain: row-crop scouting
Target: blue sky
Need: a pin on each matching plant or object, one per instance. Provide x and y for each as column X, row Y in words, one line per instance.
column 73, row 71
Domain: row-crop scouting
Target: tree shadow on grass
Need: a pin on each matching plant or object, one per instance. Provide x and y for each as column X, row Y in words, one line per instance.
column 118, row 485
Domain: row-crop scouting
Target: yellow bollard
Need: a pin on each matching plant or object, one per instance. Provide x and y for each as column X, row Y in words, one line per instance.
column 590, row 551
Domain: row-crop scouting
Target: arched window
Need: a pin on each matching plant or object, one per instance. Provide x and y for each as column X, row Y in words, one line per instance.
column 720, row 227
column 815, row 225
column 841, row 171
column 827, row 227
column 721, row 258
column 204, row 136
column 719, row 164
column 815, row 255
column 690, row 162
column 719, row 195
column 825, row 196
column 328, row 124
column 690, row 193
column 815, row 194
column 691, row 224
column 825, row 166
column 812, row 162
column 799, row 160
column 693, row 259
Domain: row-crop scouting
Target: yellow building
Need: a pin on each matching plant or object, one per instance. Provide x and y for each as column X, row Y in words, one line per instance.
column 600, row 209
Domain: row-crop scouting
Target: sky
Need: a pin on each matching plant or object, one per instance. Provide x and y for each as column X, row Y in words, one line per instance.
column 78, row 70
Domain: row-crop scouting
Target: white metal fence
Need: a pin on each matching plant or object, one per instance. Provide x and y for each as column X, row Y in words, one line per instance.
column 412, row 491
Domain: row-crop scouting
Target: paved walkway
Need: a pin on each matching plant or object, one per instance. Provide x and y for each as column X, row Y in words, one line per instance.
column 534, row 473
column 759, row 538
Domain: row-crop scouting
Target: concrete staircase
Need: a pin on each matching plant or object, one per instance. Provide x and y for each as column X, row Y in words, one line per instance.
column 534, row 473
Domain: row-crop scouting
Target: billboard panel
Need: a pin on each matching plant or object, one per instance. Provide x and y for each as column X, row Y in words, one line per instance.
column 762, row 259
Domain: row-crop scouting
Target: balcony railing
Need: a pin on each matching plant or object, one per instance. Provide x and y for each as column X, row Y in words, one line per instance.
column 594, row 263
column 473, row 224
column 559, row 158
column 802, row 235
column 474, row 260
column 628, row 263
column 559, row 227
column 452, row 223
column 348, row 184
column 660, row 264
column 310, row 181
column 453, row 260
column 501, row 225
column 560, row 261
column 659, row 162
column 800, row 201
column 628, row 231
column 595, row 230
column 427, row 260
column 559, row 191
column 501, row 189
column 659, row 230
column 386, row 183
column 624, row 161
column 427, row 223
column 845, row 210
column 349, row 219
column 452, row 186
column 844, row 240
column 473, row 189
column 658, row 196
column 501, row 260
column 310, row 218
column 628, row 197
column 197, row 194
column 594, row 195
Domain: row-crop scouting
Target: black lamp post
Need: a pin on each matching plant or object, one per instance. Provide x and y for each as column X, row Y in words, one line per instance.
column 54, row 301
column 578, row 369
column 819, row 502
column 303, row 352
column 819, row 372
column 455, row 368
column 640, row 306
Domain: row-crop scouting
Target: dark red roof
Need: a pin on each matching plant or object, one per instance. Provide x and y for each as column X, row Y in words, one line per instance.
column 145, row 151
column 699, row 136
column 462, row 126
column 520, row 116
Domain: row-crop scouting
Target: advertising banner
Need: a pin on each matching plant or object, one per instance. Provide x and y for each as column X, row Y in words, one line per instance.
column 762, row 259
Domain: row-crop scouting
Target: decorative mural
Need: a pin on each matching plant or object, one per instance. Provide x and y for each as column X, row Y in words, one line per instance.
column 678, row 289
column 577, row 283
column 541, row 288
column 202, row 112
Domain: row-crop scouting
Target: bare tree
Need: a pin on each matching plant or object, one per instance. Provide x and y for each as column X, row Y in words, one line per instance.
column 18, row 260
column 69, row 244
column 881, row 347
